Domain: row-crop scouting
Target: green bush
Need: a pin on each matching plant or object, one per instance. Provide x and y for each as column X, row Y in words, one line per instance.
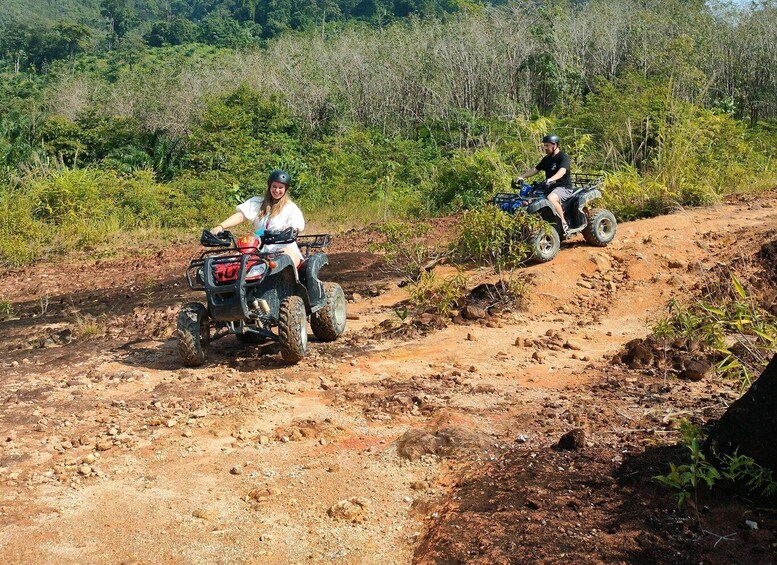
column 467, row 180
column 405, row 249
column 75, row 209
column 738, row 319
column 489, row 235
column 21, row 236
column 440, row 296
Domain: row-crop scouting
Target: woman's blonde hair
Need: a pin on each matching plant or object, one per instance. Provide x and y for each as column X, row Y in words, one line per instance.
column 271, row 207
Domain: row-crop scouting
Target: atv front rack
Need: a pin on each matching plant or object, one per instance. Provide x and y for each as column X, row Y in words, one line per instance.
column 195, row 273
column 510, row 201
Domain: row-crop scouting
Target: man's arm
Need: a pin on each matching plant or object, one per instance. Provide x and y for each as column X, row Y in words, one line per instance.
column 559, row 174
column 529, row 173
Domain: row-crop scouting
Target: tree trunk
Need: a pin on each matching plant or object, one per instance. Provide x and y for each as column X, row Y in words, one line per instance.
column 748, row 425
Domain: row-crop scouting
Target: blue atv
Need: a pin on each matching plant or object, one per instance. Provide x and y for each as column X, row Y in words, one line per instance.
column 597, row 225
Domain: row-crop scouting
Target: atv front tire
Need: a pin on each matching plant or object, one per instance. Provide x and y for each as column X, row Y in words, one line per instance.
column 329, row 323
column 193, row 333
column 293, row 329
column 601, row 227
column 544, row 244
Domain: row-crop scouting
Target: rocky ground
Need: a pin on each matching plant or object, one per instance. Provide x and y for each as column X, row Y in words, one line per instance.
column 402, row 442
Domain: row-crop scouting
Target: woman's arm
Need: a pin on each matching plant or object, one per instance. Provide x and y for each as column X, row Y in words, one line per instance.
column 235, row 219
column 296, row 219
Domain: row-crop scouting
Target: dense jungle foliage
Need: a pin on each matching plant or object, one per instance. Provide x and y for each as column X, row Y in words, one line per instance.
column 118, row 115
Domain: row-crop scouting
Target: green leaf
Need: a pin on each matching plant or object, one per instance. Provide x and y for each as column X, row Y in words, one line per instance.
column 738, row 287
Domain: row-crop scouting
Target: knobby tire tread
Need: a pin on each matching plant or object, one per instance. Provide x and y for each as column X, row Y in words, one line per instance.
column 323, row 322
column 191, row 349
column 290, row 318
column 590, row 233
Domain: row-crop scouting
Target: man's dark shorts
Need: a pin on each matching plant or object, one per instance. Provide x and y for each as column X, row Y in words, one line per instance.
column 563, row 193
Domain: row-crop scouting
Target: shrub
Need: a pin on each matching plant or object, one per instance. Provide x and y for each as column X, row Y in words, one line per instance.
column 21, row 237
column 738, row 320
column 489, row 235
column 405, row 250
column 467, row 180
column 441, row 296
column 6, row 309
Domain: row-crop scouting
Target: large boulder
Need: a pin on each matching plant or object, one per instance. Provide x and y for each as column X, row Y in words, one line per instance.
column 747, row 427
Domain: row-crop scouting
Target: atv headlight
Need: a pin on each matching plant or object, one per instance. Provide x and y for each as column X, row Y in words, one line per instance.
column 257, row 271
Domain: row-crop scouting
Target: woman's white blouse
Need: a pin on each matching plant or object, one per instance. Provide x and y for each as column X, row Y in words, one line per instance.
column 290, row 215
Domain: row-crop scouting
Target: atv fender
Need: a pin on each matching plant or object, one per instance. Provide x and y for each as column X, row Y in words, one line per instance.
column 545, row 210
column 280, row 282
column 539, row 204
column 309, row 278
column 587, row 196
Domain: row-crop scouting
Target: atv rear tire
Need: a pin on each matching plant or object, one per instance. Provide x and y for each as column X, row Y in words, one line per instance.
column 293, row 329
column 193, row 333
column 544, row 244
column 601, row 227
column 329, row 323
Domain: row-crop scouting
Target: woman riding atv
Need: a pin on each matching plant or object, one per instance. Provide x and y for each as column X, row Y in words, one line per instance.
column 272, row 212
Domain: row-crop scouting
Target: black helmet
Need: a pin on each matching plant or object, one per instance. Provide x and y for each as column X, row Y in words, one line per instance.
column 551, row 138
column 279, row 176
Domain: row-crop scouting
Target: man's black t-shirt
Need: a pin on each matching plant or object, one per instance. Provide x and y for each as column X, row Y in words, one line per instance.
column 552, row 163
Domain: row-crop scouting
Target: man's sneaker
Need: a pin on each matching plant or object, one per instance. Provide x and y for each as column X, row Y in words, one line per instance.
column 565, row 229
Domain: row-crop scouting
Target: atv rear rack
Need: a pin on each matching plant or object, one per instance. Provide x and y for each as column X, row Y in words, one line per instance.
column 313, row 243
column 587, row 181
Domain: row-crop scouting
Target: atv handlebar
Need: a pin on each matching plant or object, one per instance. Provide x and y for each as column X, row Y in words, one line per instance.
column 223, row 239
column 289, row 235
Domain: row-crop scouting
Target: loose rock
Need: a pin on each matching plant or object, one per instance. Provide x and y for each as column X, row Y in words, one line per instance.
column 353, row 510
column 695, row 370
column 205, row 514
column 262, row 495
column 445, row 442
column 574, row 439
column 473, row 313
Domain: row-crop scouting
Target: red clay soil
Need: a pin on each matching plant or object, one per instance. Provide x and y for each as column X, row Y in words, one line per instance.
column 408, row 440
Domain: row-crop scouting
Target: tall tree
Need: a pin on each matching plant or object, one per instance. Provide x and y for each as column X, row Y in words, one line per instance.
column 120, row 17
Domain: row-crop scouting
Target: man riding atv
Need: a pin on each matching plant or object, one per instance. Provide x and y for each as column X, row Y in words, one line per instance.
column 555, row 165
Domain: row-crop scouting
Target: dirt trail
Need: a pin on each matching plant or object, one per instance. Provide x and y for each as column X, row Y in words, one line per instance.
column 111, row 452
